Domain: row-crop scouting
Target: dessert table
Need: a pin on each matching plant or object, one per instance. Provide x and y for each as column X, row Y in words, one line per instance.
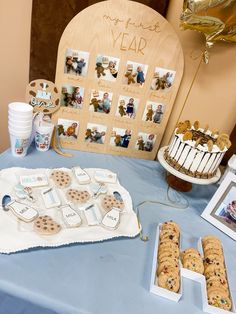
column 111, row 276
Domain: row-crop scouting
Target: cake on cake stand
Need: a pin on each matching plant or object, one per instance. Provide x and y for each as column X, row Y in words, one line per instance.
column 180, row 181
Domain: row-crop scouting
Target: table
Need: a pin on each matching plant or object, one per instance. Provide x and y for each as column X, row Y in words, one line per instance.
column 111, row 276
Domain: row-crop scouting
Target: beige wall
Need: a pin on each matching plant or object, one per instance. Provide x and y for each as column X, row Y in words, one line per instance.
column 212, row 99
column 15, row 19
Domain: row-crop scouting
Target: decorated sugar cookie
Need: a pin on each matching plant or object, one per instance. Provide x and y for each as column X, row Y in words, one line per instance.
column 45, row 225
column 70, row 216
column 61, row 179
column 77, row 196
column 110, row 201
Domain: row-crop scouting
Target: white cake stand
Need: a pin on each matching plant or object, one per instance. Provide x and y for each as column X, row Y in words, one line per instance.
column 183, row 182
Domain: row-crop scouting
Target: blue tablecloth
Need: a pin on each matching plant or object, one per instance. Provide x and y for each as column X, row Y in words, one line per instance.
column 111, row 276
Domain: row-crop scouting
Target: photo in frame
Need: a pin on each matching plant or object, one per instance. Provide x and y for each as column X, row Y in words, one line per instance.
column 221, row 210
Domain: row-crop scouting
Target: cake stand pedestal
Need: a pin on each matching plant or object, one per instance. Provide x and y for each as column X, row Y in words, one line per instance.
column 180, row 181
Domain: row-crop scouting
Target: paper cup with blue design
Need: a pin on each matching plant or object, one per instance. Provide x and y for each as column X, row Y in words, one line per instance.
column 19, row 143
column 43, row 135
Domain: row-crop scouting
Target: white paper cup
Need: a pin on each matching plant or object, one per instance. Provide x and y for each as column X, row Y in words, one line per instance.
column 20, row 122
column 43, row 135
column 20, row 108
column 19, row 117
column 19, row 128
column 19, row 145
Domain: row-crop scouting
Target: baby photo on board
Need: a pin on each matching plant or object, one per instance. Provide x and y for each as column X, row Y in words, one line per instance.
column 120, row 137
column 145, row 141
column 95, row 133
column 76, row 62
column 68, row 129
column 153, row 112
column 162, row 79
column 72, row 96
column 106, row 68
column 127, row 107
column 100, row 101
column 135, row 74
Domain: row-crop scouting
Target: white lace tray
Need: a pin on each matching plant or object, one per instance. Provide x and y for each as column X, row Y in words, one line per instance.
column 17, row 235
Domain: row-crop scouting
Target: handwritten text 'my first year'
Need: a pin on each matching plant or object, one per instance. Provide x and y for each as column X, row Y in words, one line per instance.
column 126, row 41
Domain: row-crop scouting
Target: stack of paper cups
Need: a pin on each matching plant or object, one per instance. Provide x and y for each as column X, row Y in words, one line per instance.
column 20, row 116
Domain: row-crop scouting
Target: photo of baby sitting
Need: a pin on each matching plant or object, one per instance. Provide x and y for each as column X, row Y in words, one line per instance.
column 153, row 112
column 100, row 101
column 72, row 96
column 120, row 137
column 76, row 62
column 67, row 129
column 163, row 79
column 145, row 142
column 226, row 212
column 135, row 74
column 106, row 68
column 95, row 133
column 127, row 107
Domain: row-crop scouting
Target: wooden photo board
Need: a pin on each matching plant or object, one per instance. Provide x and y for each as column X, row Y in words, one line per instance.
column 119, row 68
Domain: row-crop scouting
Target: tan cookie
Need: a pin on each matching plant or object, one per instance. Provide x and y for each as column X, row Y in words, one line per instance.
column 226, row 141
column 187, row 136
column 170, row 224
column 61, row 179
column 206, row 128
column 213, row 270
column 214, row 133
column 214, row 250
column 168, row 253
column 188, row 123
column 211, row 246
column 76, row 196
column 172, row 258
column 220, row 144
column 208, row 239
column 219, row 298
column 169, row 280
column 168, row 245
column 198, row 141
column 218, row 281
column 189, row 253
column 110, row 201
column 169, row 237
column 194, row 264
column 167, row 263
column 214, row 259
column 210, row 145
column 182, row 128
column 196, row 125
column 45, row 225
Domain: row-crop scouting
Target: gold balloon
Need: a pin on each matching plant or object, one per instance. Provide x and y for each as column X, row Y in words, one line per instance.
column 216, row 19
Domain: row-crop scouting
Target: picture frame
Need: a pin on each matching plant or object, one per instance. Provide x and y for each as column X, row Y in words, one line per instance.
column 221, row 210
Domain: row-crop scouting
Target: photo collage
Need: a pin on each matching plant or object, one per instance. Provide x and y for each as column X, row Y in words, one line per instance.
column 125, row 108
